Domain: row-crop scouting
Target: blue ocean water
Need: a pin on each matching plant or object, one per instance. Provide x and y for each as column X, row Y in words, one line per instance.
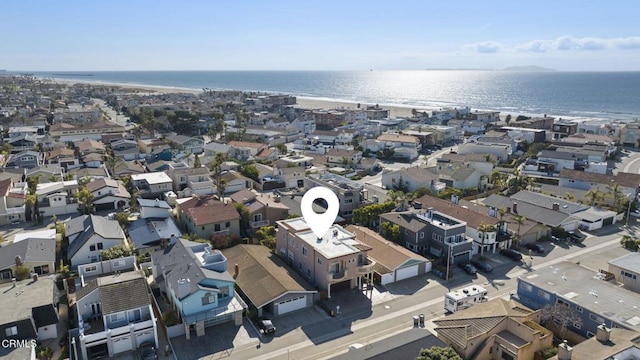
column 609, row 95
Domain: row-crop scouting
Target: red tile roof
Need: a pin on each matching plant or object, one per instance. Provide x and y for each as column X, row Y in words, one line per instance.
column 209, row 210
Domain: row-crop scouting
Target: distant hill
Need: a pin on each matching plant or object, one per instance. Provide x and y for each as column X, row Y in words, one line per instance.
column 530, row 68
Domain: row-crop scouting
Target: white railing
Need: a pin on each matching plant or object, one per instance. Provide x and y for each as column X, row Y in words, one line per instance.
column 257, row 224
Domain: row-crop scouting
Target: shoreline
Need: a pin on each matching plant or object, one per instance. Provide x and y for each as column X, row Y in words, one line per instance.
column 395, row 110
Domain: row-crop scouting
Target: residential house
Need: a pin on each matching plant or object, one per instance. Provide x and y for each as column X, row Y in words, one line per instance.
column 297, row 160
column 607, row 344
column 548, row 217
column 343, row 158
column 497, row 329
column 335, row 262
column 46, row 173
column 243, row 150
column 208, row 217
column 590, row 297
column 545, row 122
column 89, row 146
column 108, row 194
column 266, row 281
column 28, row 310
column 626, row 270
column 154, row 227
column 63, row 157
column 88, row 235
column 405, row 147
column 432, row 232
column 487, row 231
column 12, row 198
column 234, row 181
column 153, row 146
column 195, row 279
column 351, row 194
column 500, row 150
column 187, row 144
column 152, row 185
column 412, row 178
column 212, row 148
column 404, row 345
column 37, row 255
column 485, row 116
column 630, row 135
column 114, row 315
column 392, row 262
column 291, row 177
column 131, row 168
column 460, row 176
column 25, row 160
column 562, row 129
column 22, row 143
column 57, row 198
column 190, row 180
column 127, row 150
column 93, row 160
column 267, row 155
column 67, row 132
column 89, row 173
column 629, row 183
column 264, row 209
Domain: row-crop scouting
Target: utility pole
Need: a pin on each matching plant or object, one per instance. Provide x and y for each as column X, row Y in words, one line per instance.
column 448, row 261
column 630, row 198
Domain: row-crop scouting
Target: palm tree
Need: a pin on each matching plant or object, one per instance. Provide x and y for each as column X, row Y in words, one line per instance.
column 85, row 199
column 569, row 196
column 618, row 196
column 112, row 163
column 519, row 220
column 593, row 196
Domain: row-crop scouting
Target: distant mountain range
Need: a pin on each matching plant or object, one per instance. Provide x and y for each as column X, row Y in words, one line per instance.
column 529, row 68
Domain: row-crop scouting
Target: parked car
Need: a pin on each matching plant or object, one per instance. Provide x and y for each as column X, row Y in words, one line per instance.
column 266, row 326
column 468, row 268
column 147, row 351
column 535, row 248
column 575, row 237
column 511, row 254
column 635, row 213
column 482, row 266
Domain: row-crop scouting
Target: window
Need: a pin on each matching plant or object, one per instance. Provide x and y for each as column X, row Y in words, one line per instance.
column 135, row 315
column 208, row 299
column 90, row 268
column 563, row 303
column 41, row 270
column 216, row 227
column 421, row 234
column 319, row 261
column 227, row 224
column 597, row 319
column 526, row 287
column 579, row 308
column 627, row 274
column 99, row 246
column 116, row 317
column 118, row 263
column 590, row 334
column 348, row 201
column 11, row 331
column 577, row 326
column 304, row 250
column 92, row 248
column 543, row 294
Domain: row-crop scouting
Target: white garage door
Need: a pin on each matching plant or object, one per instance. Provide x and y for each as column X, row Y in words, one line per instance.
column 406, row 272
column 121, row 344
column 292, row 305
column 386, row 278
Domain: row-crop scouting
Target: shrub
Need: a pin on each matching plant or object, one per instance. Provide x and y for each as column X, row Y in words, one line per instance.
column 22, row 272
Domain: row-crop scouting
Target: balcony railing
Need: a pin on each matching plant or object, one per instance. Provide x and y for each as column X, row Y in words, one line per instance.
column 366, row 268
column 337, row 276
column 259, row 224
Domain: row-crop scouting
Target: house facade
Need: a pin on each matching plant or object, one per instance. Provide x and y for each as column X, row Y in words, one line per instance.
column 337, row 261
column 207, row 217
column 90, row 234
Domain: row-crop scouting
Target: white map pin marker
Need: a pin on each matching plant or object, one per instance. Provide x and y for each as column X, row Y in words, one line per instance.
column 319, row 223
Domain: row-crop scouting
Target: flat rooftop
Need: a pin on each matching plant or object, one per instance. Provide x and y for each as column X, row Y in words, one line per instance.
column 335, row 243
column 18, row 301
column 585, row 288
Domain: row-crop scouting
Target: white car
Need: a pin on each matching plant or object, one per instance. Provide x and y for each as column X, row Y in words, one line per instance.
column 635, row 213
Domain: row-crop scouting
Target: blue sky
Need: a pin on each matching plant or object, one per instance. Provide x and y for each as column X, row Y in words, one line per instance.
column 318, row 35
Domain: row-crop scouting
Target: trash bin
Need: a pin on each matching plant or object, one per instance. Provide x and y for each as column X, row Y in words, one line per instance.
column 421, row 320
column 415, row 321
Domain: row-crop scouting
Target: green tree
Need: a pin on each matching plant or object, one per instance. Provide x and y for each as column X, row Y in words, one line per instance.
column 391, row 231
column 368, row 215
column 282, row 149
column 123, row 219
column 422, row 191
column 448, row 192
column 267, row 237
column 115, row 252
column 112, row 163
column 250, row 171
column 617, row 195
column 196, row 161
column 401, row 185
column 245, row 215
column 519, row 219
column 22, row 272
column 593, row 196
column 438, row 353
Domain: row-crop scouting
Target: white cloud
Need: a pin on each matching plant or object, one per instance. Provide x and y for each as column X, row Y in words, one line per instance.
column 565, row 43
column 485, row 47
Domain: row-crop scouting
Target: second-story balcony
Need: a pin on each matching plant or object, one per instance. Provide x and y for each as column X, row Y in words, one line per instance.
column 334, row 276
column 258, row 224
column 458, row 240
column 365, row 268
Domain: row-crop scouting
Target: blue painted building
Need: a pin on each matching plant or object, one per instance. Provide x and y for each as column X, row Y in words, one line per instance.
column 585, row 292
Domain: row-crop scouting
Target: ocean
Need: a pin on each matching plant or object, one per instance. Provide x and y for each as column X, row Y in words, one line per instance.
column 592, row 95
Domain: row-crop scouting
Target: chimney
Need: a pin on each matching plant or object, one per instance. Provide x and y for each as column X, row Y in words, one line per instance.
column 564, row 351
column 515, row 207
column 236, row 271
column 556, row 207
column 35, row 277
column 18, row 260
column 603, row 333
column 184, row 288
column 430, row 213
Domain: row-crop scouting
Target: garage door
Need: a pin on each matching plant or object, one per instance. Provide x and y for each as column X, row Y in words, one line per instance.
column 607, row 221
column 121, row 344
column 461, row 258
column 406, row 272
column 386, row 279
column 292, row 305
column 105, row 206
